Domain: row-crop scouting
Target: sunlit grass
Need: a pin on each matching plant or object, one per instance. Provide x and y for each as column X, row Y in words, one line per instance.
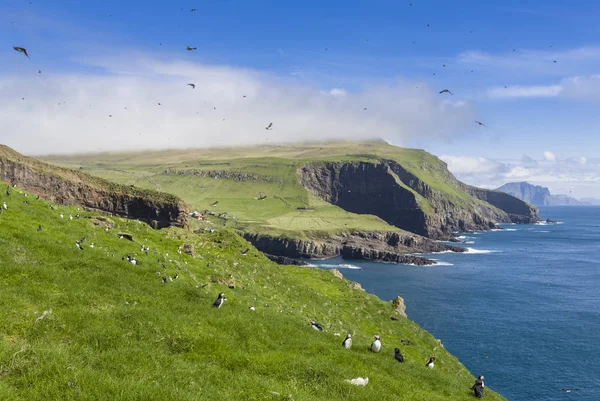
column 86, row 325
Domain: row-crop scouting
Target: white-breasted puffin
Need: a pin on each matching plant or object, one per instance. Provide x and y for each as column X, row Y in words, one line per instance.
column 479, row 387
column 316, row 326
column 430, row 363
column 376, row 345
column 347, row 343
column 219, row 301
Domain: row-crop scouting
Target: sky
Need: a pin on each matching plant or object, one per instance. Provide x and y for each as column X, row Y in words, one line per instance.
column 110, row 75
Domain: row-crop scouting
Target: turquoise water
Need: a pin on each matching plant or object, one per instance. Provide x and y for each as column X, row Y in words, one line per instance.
column 523, row 309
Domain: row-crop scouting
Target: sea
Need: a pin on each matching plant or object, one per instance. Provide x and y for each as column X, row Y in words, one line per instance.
column 522, row 307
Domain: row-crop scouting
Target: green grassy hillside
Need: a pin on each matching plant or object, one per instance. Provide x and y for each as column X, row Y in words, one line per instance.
column 275, row 170
column 86, row 325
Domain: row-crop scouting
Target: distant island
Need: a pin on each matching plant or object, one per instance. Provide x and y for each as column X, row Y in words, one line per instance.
column 539, row 196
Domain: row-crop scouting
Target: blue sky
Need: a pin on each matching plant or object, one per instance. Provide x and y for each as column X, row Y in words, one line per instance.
column 312, row 67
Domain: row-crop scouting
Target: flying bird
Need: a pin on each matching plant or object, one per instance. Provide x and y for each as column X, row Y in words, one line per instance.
column 194, row 10
column 269, row 127
column 189, row 49
column 192, row 85
column 446, row 91
column 21, row 50
column 480, row 123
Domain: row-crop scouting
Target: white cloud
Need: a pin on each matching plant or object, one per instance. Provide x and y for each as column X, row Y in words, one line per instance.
column 467, row 164
column 69, row 112
column 525, row 91
column 338, row 92
column 577, row 177
column 549, row 156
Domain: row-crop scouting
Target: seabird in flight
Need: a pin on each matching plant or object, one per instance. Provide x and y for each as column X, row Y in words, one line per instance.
column 446, row 91
column 21, row 50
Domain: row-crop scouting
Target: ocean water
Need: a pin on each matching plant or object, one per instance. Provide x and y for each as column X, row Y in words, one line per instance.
column 522, row 307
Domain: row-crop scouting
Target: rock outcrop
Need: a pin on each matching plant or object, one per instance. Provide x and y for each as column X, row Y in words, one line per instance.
column 398, row 305
column 359, row 245
column 69, row 187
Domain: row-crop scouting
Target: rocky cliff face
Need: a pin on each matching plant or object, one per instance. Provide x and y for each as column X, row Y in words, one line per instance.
column 379, row 246
column 70, row 187
column 518, row 211
column 402, row 199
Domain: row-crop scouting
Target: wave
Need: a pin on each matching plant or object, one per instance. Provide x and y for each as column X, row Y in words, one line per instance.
column 437, row 253
column 441, row 263
column 340, row 266
column 545, row 223
column 480, row 251
column 469, row 242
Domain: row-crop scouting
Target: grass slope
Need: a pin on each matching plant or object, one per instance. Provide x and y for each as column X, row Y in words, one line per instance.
column 85, row 325
column 278, row 213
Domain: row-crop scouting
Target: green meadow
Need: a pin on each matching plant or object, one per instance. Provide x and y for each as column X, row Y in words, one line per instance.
column 87, row 325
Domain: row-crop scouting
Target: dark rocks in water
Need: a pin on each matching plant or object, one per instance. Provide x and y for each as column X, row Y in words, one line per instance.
column 393, row 247
column 550, row 221
column 284, row 260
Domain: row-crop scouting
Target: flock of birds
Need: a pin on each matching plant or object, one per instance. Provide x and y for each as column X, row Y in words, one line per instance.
column 269, row 127
column 375, row 347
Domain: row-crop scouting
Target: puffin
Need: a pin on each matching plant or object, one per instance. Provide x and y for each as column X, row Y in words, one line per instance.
column 398, row 355
column 376, row 345
column 479, row 387
column 316, row 326
column 430, row 362
column 219, row 301
column 347, row 343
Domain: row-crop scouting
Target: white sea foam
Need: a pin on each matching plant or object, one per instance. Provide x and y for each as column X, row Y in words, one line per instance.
column 340, row 266
column 436, row 253
column 469, row 242
column 440, row 263
column 545, row 223
column 348, row 266
column 479, row 251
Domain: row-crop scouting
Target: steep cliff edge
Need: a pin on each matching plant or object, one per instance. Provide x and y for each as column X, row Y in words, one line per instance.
column 403, row 199
column 70, row 187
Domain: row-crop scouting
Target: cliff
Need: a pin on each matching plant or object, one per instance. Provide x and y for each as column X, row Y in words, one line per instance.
column 537, row 195
column 70, row 187
column 388, row 190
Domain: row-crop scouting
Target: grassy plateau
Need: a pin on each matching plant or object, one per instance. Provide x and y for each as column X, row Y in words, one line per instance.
column 88, row 325
column 288, row 209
